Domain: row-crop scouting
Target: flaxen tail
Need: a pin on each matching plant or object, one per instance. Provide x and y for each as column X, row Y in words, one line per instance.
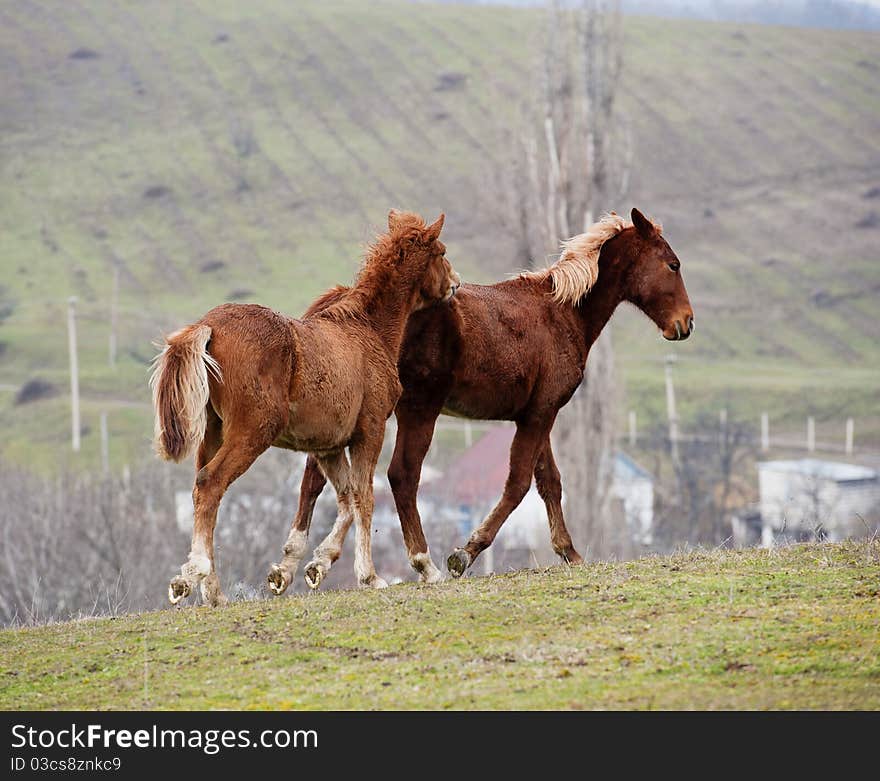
column 180, row 391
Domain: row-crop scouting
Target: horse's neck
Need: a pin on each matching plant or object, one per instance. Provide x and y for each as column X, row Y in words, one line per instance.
column 595, row 309
column 386, row 308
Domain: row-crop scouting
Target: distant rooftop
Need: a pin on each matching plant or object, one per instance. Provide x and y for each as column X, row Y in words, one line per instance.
column 627, row 469
column 814, row 467
column 479, row 474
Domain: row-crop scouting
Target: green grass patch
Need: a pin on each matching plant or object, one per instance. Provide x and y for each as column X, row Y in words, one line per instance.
column 794, row 627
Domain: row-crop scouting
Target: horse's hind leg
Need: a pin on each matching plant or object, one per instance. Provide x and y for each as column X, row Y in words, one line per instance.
column 313, row 482
column 549, row 486
column 364, row 455
column 337, row 470
column 414, row 433
column 239, row 449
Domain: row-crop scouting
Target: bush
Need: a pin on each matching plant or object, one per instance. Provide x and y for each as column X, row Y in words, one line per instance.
column 34, row 390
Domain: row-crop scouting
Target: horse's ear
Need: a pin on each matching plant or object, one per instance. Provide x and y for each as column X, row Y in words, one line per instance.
column 432, row 232
column 643, row 225
column 393, row 217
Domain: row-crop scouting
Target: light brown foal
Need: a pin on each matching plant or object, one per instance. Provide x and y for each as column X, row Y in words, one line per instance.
column 244, row 378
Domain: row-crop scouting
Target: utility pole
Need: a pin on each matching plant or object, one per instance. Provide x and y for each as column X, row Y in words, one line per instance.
column 74, row 373
column 722, row 423
column 850, row 426
column 105, row 445
column 765, row 432
column 670, row 411
column 114, row 313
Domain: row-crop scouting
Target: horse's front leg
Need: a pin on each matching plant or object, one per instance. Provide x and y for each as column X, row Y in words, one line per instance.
column 337, row 470
column 415, row 429
column 313, row 482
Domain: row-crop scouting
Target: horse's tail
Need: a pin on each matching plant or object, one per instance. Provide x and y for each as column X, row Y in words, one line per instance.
column 181, row 392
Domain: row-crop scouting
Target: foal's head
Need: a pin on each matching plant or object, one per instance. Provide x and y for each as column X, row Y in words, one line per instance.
column 653, row 280
column 419, row 248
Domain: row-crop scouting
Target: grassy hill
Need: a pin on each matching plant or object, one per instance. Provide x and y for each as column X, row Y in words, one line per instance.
column 219, row 151
column 791, row 628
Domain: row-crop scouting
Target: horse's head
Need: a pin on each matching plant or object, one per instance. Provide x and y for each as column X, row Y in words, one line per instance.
column 423, row 250
column 654, row 281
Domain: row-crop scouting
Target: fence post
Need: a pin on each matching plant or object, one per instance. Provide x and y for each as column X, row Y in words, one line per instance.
column 488, row 561
column 74, row 373
column 670, row 410
column 114, row 315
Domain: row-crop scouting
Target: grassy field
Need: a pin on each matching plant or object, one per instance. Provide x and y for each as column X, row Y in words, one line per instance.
column 213, row 151
column 795, row 627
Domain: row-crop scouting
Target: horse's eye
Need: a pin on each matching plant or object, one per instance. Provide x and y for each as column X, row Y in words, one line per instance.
column 674, row 266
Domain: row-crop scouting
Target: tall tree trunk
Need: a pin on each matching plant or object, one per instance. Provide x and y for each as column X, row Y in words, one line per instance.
column 569, row 165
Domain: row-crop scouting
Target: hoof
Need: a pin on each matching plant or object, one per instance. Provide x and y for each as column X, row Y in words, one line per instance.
column 217, row 600
column 428, row 572
column 178, row 589
column 278, row 580
column 433, row 576
column 571, row 556
column 211, row 591
column 373, row 582
column 314, row 574
column 458, row 562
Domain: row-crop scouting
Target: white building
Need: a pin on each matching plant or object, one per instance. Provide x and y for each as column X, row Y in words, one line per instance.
column 475, row 481
column 808, row 498
column 634, row 487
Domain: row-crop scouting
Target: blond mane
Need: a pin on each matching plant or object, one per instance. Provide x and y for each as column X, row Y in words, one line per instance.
column 577, row 269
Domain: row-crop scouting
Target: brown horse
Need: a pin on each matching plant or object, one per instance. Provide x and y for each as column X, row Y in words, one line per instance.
column 516, row 351
column 244, row 378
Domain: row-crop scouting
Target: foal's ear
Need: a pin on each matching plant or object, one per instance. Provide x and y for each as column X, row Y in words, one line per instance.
column 393, row 217
column 643, row 225
column 432, row 232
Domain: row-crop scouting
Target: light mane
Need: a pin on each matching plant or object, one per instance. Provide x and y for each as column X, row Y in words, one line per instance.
column 577, row 269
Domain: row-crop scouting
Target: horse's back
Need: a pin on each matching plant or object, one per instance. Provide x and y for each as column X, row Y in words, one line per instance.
column 486, row 352
column 249, row 342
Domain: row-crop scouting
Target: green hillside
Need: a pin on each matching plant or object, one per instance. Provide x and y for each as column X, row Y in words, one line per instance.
column 790, row 628
column 224, row 151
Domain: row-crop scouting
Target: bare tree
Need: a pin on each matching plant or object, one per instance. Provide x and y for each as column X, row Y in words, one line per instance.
column 571, row 160
column 706, row 485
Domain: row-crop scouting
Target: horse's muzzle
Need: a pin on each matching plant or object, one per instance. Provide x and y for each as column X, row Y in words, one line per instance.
column 683, row 329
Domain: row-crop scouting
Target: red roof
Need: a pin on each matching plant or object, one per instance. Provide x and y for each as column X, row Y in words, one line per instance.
column 478, row 475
